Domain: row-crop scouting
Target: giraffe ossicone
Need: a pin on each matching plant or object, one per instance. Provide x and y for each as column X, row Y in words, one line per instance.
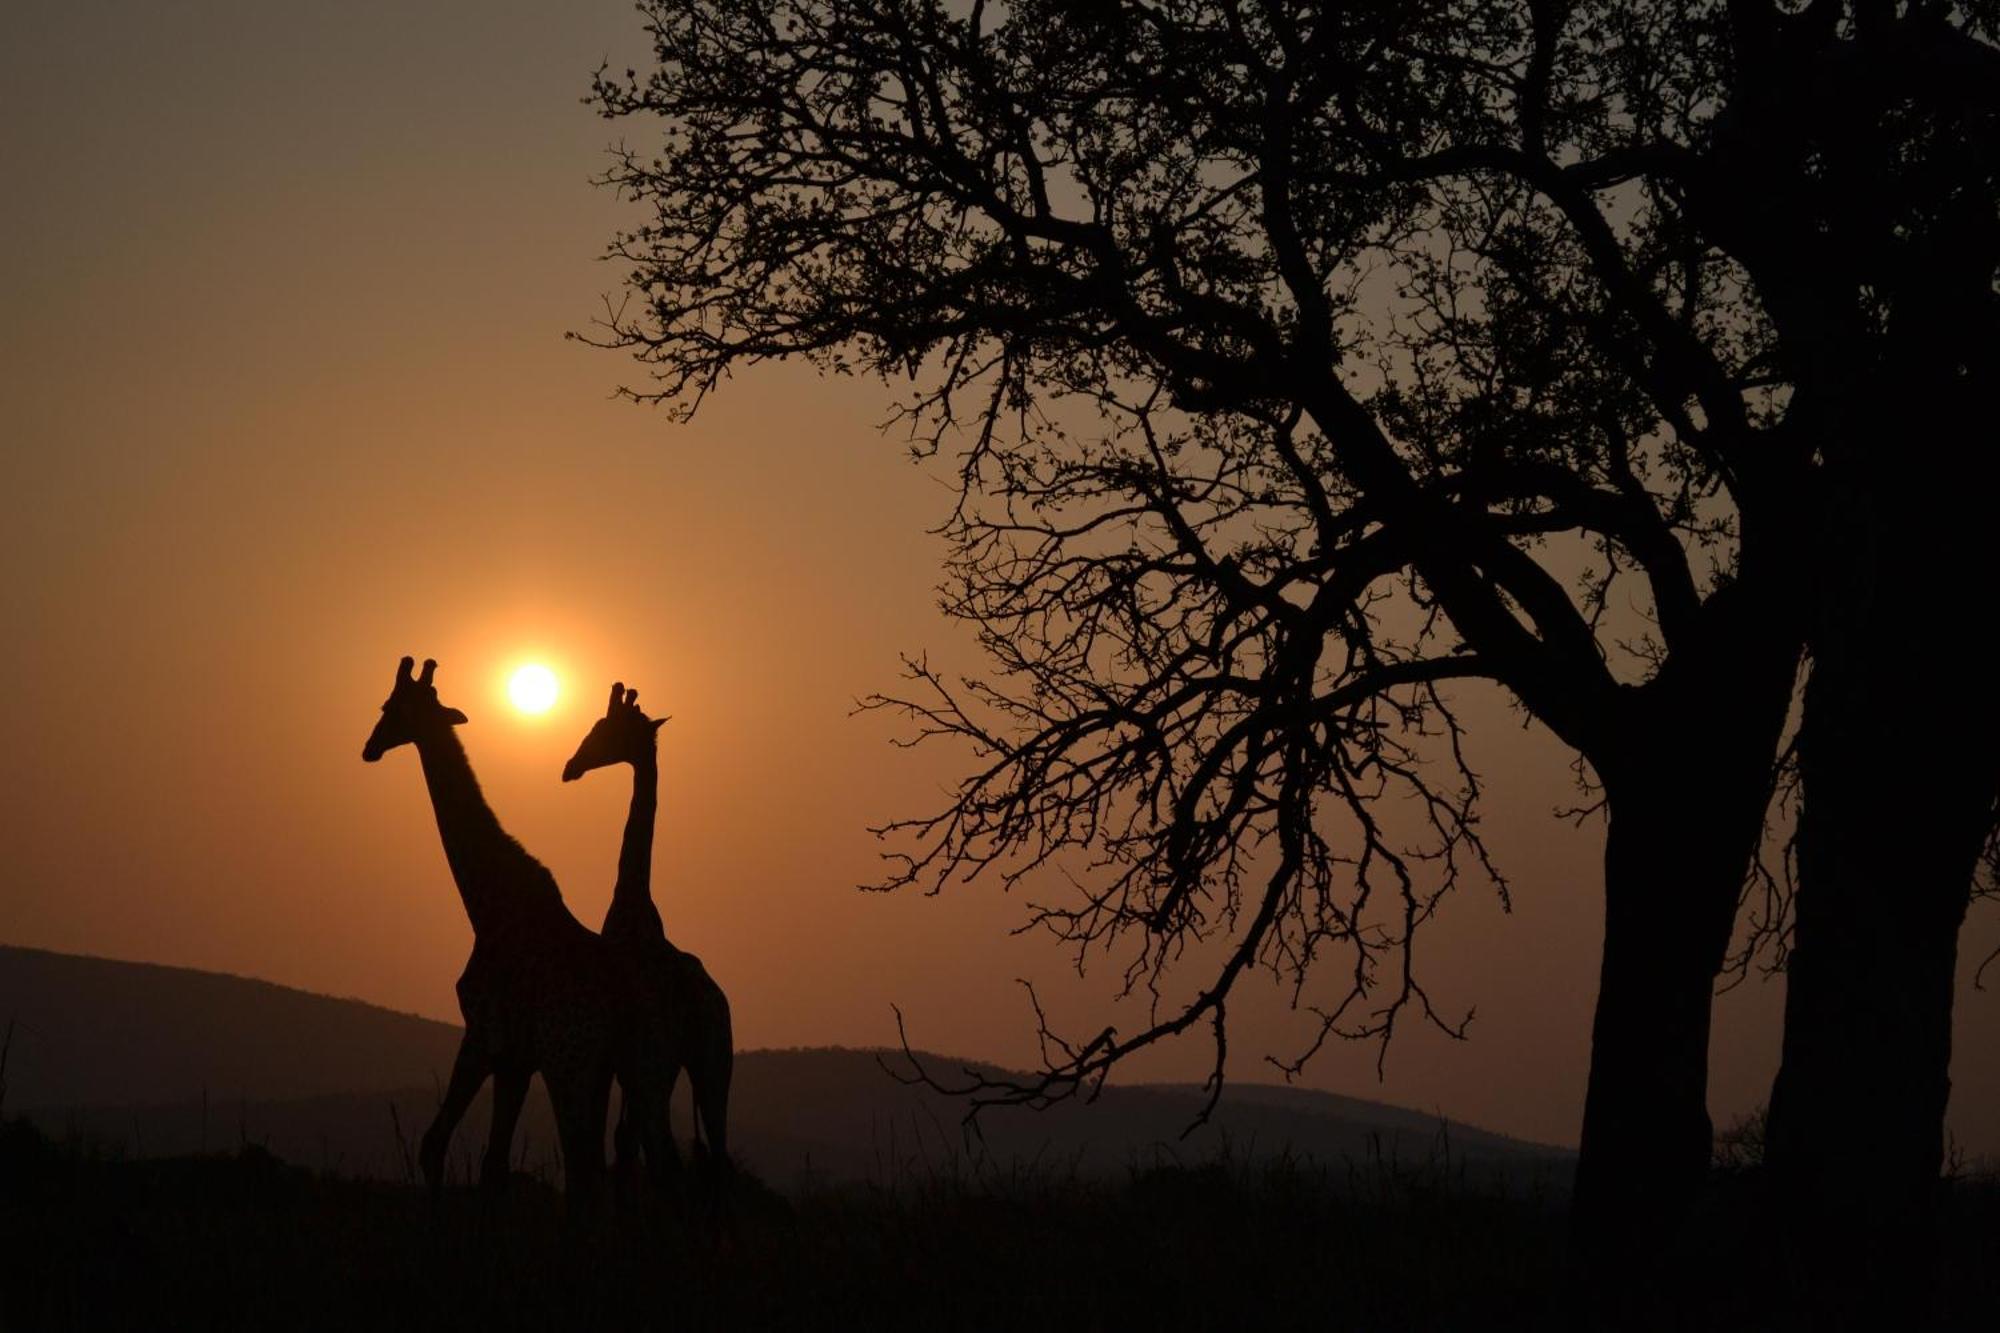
column 694, row 1008
column 541, row 993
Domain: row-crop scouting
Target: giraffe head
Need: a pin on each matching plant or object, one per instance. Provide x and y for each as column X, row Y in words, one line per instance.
column 624, row 735
column 411, row 711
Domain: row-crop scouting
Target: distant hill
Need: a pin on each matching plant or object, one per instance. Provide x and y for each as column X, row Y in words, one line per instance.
column 839, row 1113
column 96, row 1032
column 157, row 1060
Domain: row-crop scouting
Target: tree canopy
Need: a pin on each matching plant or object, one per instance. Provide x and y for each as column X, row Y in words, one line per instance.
column 1300, row 359
column 1362, row 304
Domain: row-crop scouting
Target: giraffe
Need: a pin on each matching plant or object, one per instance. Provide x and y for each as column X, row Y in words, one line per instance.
column 697, row 1008
column 541, row 992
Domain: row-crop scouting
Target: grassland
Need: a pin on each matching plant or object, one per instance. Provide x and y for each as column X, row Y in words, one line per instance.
column 242, row 1240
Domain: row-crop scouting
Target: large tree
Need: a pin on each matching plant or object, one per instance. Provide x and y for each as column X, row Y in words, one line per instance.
column 1877, row 258
column 1301, row 359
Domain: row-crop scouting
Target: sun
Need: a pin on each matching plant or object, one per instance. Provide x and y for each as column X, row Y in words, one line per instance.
column 533, row 688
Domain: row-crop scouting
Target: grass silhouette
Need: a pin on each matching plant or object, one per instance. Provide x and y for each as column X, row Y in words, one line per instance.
column 242, row 1239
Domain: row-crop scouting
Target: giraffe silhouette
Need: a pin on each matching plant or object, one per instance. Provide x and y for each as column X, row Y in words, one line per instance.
column 696, row 1009
column 541, row 992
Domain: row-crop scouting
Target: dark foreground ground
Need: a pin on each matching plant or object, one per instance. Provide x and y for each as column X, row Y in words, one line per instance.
column 244, row 1241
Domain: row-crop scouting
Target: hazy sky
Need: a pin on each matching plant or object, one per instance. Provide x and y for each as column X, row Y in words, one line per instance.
column 284, row 395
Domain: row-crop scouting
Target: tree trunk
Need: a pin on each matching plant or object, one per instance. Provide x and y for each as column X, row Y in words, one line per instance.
column 1687, row 789
column 1900, row 763
column 1857, row 1113
column 1899, row 745
column 1675, row 858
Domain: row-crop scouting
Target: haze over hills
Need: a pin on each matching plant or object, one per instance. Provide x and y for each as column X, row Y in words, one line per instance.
column 99, row 1032
column 156, row 1060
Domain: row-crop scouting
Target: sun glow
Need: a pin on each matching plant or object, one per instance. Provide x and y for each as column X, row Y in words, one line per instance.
column 533, row 688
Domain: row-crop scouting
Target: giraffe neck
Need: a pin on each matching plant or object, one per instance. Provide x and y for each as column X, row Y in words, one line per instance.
column 496, row 877
column 632, row 909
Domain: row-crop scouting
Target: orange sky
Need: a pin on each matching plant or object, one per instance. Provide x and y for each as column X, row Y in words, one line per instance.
column 284, row 396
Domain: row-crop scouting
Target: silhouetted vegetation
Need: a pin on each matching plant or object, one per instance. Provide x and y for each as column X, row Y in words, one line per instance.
column 1298, row 361
column 242, row 1240
column 1080, row 1216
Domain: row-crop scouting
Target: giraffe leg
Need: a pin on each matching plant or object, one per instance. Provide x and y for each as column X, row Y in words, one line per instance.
column 714, row 1060
column 647, row 1071
column 626, row 1139
column 468, row 1071
column 709, row 1072
column 711, row 1094
column 510, row 1090
column 652, row 1110
column 580, row 1106
column 629, row 1139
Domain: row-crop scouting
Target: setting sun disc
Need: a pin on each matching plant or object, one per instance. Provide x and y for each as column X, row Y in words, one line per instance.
column 533, row 689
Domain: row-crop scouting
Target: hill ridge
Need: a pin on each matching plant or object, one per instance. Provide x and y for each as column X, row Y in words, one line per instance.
column 152, row 1057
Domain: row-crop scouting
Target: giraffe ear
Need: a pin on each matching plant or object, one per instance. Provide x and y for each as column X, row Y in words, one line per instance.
column 659, row 722
column 453, row 716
